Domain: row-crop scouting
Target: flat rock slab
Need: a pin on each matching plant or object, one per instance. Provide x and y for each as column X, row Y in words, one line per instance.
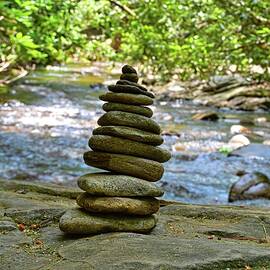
column 253, row 150
column 123, row 146
column 186, row 236
column 108, row 184
column 116, row 118
column 123, row 164
column 130, row 133
column 133, row 251
column 78, row 221
column 141, row 206
column 132, row 99
column 141, row 110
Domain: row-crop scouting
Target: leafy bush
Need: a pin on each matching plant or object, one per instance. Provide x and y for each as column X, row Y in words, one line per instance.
column 189, row 36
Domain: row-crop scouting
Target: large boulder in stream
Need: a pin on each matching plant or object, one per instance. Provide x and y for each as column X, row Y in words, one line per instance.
column 250, row 186
column 253, row 150
column 186, row 236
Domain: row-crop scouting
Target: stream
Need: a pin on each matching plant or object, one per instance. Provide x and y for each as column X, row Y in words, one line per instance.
column 47, row 118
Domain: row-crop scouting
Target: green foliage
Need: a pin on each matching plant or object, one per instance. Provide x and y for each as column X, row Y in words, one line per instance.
column 225, row 150
column 188, row 37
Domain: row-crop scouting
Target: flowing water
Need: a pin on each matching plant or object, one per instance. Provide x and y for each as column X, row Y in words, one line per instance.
column 47, row 118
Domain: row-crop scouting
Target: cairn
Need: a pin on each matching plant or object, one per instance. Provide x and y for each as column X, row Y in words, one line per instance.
column 126, row 144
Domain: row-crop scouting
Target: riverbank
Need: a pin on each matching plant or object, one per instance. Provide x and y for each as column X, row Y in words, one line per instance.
column 186, row 236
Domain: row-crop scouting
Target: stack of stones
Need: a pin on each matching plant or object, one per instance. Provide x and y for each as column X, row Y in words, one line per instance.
column 127, row 145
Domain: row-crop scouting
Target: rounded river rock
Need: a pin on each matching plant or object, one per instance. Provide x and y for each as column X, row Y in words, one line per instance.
column 130, row 133
column 107, row 107
column 126, row 69
column 78, row 221
column 127, row 98
column 138, row 167
column 116, row 145
column 142, row 206
column 115, row 118
column 108, row 184
column 118, row 88
column 130, row 77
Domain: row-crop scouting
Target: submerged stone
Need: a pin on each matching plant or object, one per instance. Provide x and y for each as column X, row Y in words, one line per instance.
column 127, row 98
column 138, row 167
column 107, row 107
column 142, row 206
column 108, row 184
column 130, row 133
column 78, row 221
column 116, row 118
column 116, row 145
column 118, row 88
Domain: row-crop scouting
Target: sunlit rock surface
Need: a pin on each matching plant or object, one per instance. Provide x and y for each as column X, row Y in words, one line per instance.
column 186, row 236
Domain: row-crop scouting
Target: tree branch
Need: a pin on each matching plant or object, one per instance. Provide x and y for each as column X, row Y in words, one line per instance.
column 123, row 7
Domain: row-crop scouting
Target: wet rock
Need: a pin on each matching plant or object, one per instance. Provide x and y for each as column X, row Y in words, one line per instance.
column 131, row 99
column 116, row 145
column 147, row 112
column 129, row 133
column 115, row 118
column 250, row 186
column 253, row 150
column 127, row 69
column 206, row 116
column 108, row 184
column 138, row 167
column 118, row 88
column 142, row 206
column 132, row 77
column 266, row 142
column 238, row 141
column 77, row 221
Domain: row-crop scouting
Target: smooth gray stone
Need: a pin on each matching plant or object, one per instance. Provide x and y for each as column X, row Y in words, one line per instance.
column 108, row 184
column 138, row 167
column 147, row 112
column 118, row 88
column 130, row 133
column 116, row 145
column 132, row 77
column 125, row 82
column 126, row 98
column 253, row 150
column 115, row 118
column 140, row 206
column 126, row 69
column 78, row 221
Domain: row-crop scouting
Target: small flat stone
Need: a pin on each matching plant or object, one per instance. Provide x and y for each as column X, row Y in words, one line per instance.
column 118, row 205
column 132, row 77
column 130, row 133
column 206, row 116
column 131, row 99
column 108, row 184
column 129, row 89
column 138, row 167
column 145, row 111
column 117, row 145
column 128, row 69
column 116, row 118
column 78, row 221
column 125, row 82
